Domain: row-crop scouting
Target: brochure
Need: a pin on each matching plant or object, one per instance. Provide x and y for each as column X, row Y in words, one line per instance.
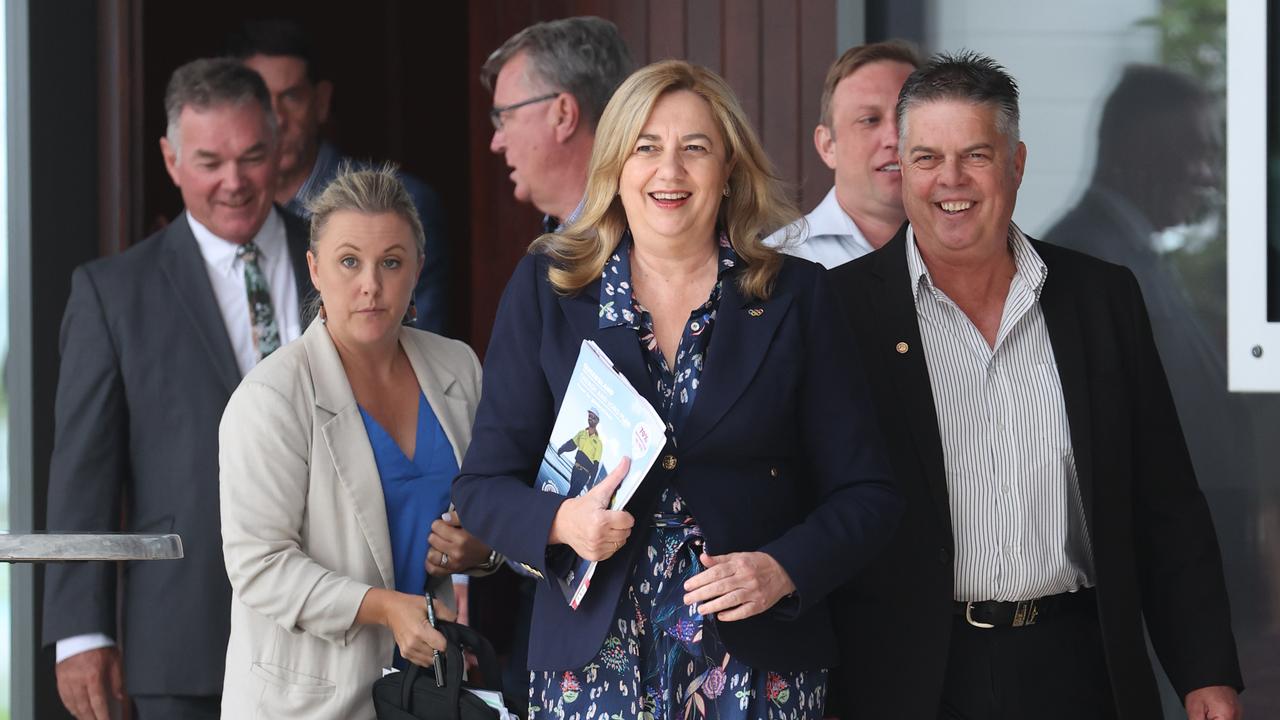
column 602, row 419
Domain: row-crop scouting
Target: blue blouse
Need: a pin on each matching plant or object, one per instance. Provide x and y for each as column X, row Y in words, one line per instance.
column 416, row 491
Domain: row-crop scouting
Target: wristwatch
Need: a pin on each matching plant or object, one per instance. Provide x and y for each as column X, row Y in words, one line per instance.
column 491, row 563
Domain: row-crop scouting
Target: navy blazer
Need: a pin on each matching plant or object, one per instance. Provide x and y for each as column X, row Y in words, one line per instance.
column 780, row 454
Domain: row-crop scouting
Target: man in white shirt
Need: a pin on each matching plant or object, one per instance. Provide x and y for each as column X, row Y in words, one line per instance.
column 857, row 137
column 154, row 340
column 1053, row 514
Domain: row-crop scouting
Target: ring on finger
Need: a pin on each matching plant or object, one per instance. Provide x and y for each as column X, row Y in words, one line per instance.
column 444, row 559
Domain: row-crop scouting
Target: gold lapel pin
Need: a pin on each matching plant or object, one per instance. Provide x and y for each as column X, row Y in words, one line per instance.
column 902, row 348
column 755, row 312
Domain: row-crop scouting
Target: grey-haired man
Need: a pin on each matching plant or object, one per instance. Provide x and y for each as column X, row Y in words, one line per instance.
column 1052, row 509
column 550, row 83
column 154, row 341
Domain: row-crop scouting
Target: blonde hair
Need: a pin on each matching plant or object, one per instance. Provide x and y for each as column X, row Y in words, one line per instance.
column 757, row 204
column 371, row 191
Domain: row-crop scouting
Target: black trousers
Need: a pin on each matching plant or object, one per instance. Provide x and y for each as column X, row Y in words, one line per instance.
column 1050, row 670
column 177, row 707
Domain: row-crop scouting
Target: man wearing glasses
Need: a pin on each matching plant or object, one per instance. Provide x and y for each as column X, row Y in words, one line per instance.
column 550, row 83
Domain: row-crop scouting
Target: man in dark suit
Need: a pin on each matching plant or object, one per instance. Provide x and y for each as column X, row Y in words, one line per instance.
column 1052, row 505
column 282, row 53
column 153, row 342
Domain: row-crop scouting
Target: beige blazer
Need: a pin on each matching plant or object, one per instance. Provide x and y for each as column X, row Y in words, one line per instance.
column 304, row 525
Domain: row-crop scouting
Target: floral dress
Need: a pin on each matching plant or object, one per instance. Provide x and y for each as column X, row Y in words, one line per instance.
column 661, row 659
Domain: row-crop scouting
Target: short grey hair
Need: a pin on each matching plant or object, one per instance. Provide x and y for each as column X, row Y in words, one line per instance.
column 967, row 76
column 210, row 82
column 583, row 56
column 372, row 191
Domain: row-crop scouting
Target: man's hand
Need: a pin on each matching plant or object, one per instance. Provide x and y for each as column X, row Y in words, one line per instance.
column 452, row 549
column 1216, row 702
column 85, row 679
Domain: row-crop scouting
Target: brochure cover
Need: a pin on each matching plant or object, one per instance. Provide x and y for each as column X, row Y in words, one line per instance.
column 602, row 420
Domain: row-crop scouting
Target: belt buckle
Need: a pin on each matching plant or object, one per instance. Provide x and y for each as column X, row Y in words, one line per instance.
column 1026, row 613
column 968, row 617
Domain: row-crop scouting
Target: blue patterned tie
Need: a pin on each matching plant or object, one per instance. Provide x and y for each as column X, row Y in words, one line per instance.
column 265, row 334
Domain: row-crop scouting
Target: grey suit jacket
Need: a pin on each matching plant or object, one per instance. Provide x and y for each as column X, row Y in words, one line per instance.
column 145, row 373
column 304, row 525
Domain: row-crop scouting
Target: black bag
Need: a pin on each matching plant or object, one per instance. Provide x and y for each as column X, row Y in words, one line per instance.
column 413, row 694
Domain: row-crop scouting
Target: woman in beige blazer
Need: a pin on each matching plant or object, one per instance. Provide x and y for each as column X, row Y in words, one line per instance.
column 318, row 606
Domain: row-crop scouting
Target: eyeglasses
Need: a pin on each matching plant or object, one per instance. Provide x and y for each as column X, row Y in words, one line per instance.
column 495, row 114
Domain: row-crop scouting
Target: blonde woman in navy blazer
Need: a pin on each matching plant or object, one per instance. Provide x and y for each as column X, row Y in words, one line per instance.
column 772, row 489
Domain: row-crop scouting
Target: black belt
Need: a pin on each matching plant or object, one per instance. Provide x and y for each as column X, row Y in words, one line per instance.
column 990, row 613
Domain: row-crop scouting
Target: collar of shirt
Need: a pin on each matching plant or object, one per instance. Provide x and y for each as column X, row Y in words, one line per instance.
column 831, row 219
column 553, row 224
column 220, row 255
column 616, row 299
column 326, row 168
column 1028, row 267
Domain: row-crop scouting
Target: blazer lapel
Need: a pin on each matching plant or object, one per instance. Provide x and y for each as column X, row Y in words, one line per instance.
column 895, row 302
column 1067, row 337
column 298, row 237
column 184, row 268
column 437, row 381
column 349, row 448
column 740, row 339
column 620, row 343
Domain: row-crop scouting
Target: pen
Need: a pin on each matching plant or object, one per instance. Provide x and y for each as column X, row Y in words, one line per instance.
column 435, row 654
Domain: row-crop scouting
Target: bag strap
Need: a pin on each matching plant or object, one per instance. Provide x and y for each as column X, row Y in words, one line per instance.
column 454, row 662
column 467, row 637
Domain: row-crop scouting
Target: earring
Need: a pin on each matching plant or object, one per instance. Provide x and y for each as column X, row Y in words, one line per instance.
column 411, row 314
column 726, row 190
column 324, row 316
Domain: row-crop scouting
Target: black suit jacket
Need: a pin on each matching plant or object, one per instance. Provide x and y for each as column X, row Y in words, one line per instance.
column 1155, row 551
column 146, row 371
column 780, row 453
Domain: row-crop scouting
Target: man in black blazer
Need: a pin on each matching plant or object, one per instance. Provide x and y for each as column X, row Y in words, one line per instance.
column 1051, row 503
column 154, row 341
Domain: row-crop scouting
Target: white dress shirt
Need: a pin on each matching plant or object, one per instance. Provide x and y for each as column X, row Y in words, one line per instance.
column 1016, row 511
column 226, row 275
column 826, row 236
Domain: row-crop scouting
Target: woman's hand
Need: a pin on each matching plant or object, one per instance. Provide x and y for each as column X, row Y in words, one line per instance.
column 406, row 616
column 738, row 585
column 453, row 549
column 586, row 523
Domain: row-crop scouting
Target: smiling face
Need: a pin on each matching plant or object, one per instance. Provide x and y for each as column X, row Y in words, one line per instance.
column 227, row 168
column 672, row 184
column 862, row 143
column 365, row 267
column 960, row 179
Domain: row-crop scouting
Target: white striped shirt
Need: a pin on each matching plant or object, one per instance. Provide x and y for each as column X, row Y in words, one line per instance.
column 1015, row 501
